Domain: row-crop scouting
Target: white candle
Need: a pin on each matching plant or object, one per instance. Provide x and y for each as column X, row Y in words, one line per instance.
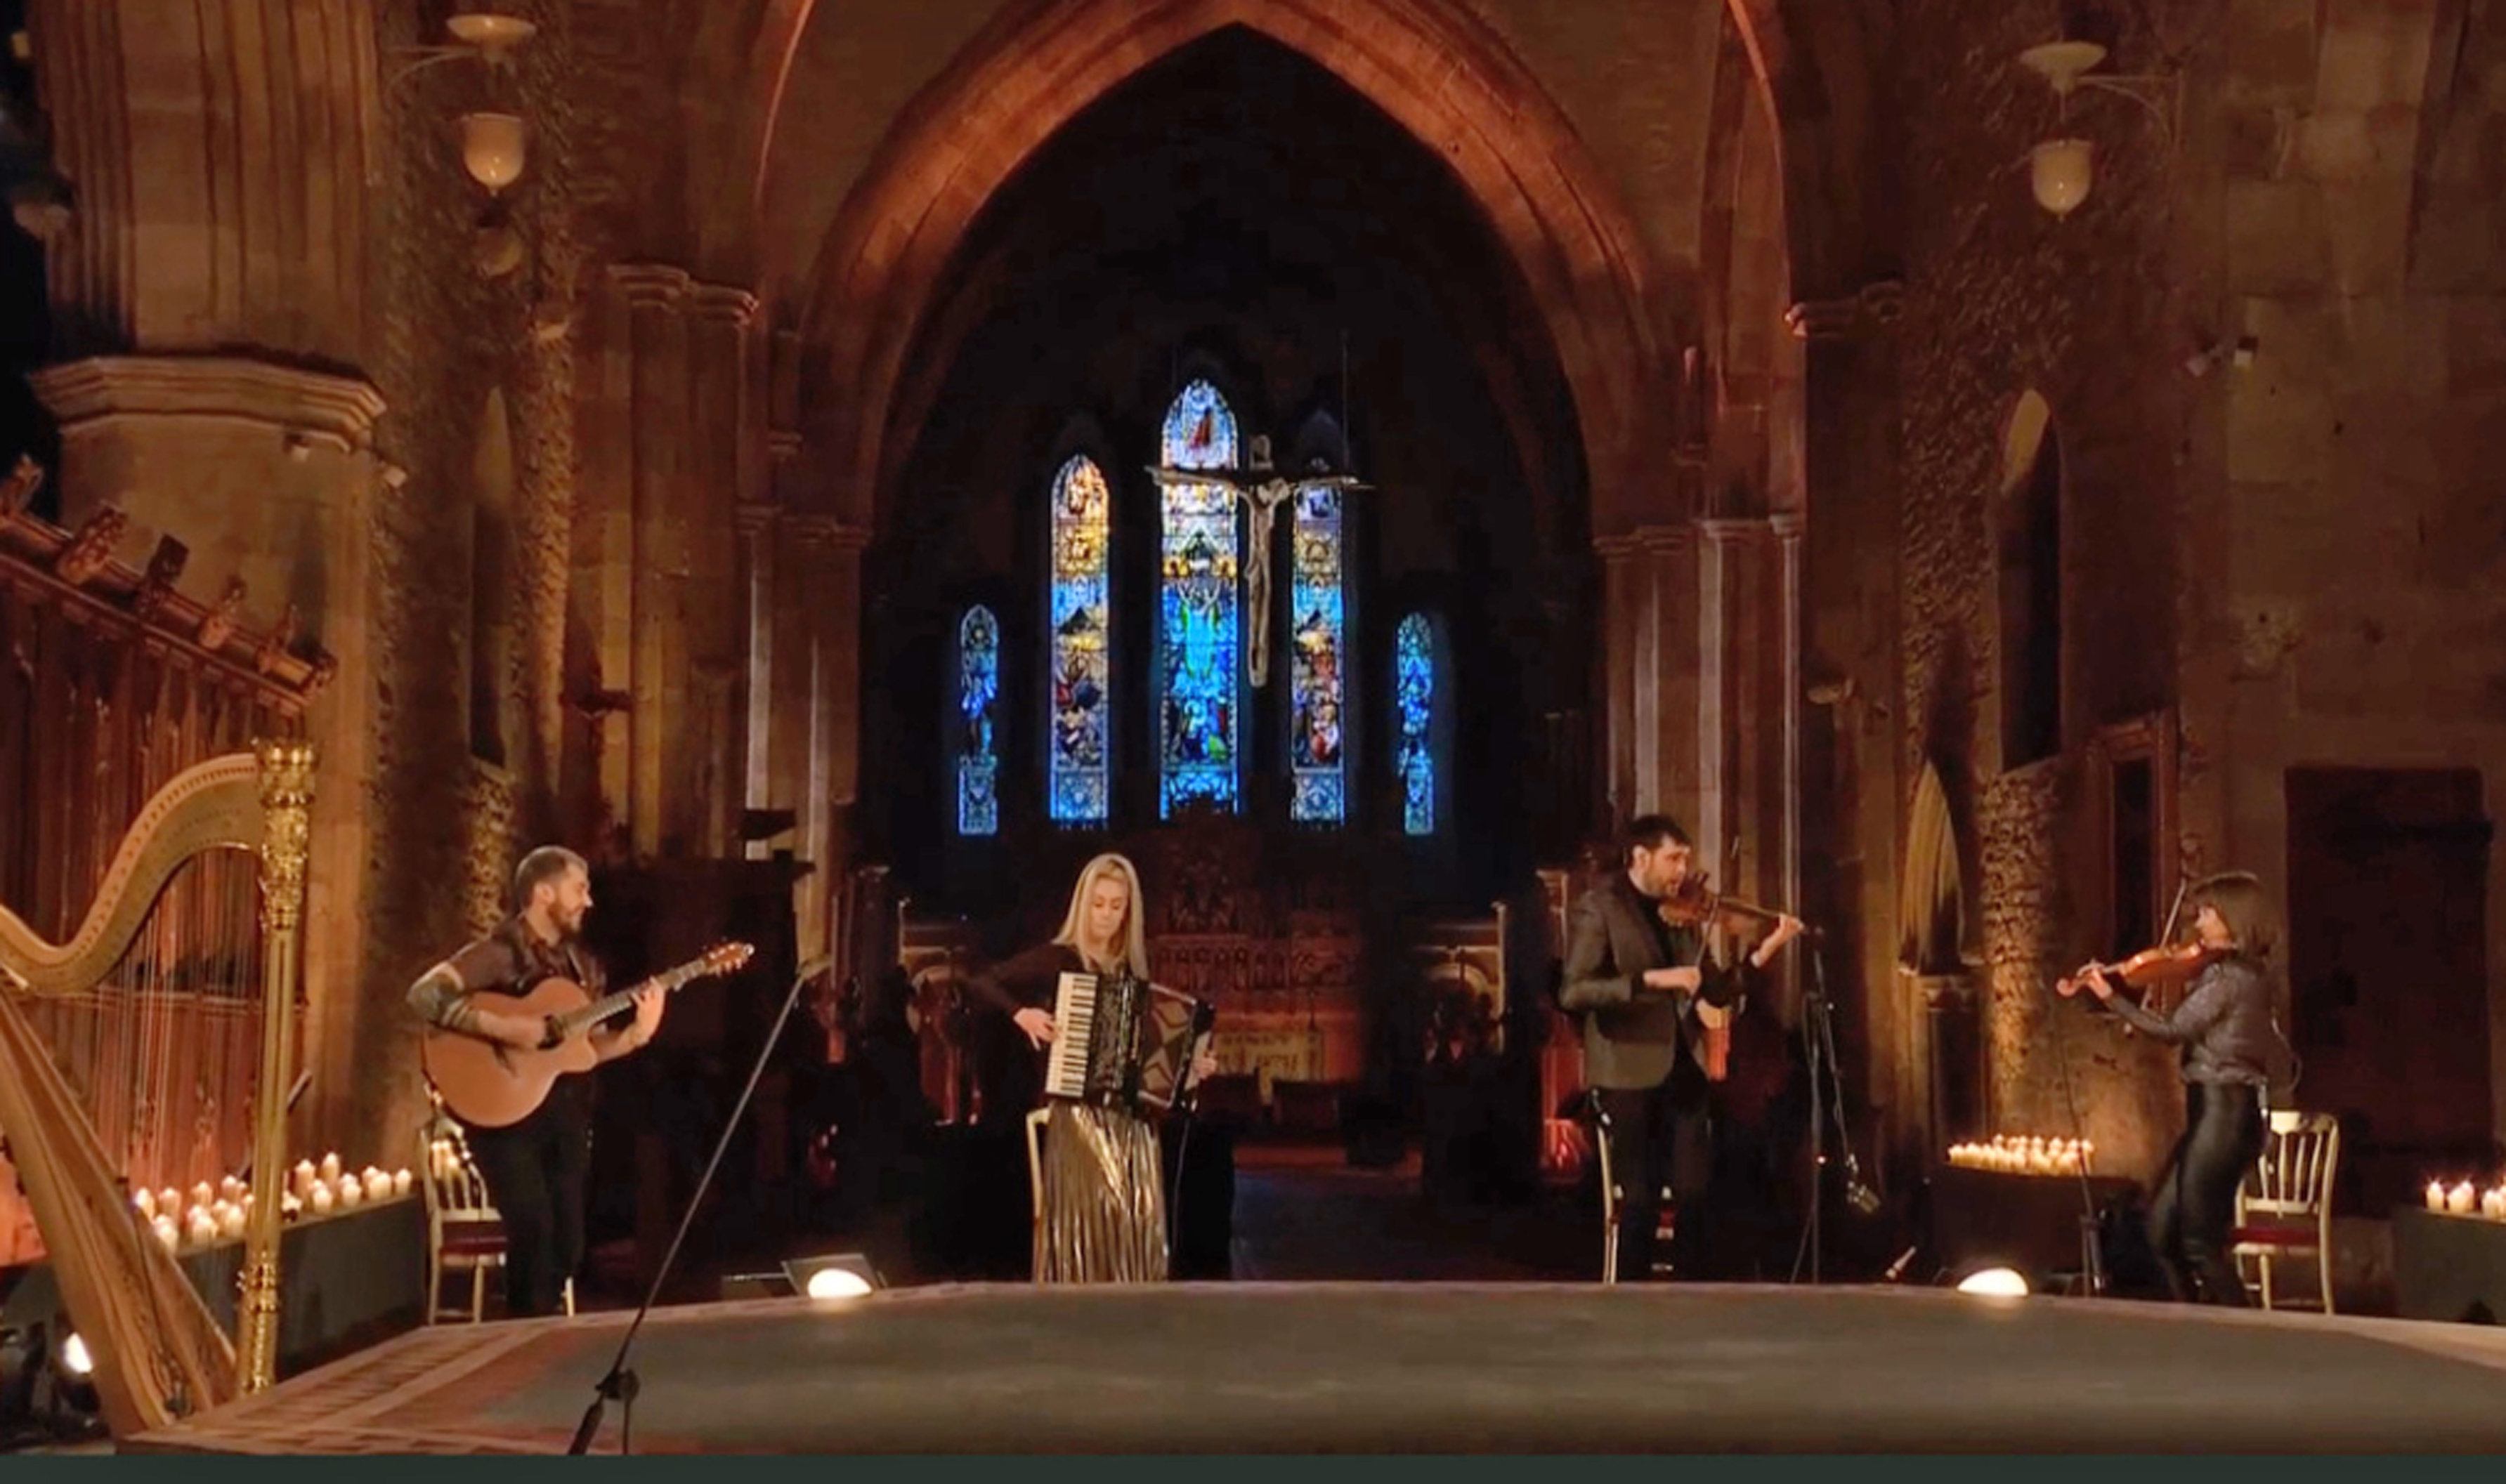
column 2459, row 1199
column 352, row 1191
column 323, row 1200
column 164, row 1227
column 146, row 1202
column 2436, row 1195
column 202, row 1195
column 231, row 1224
column 2492, row 1204
column 301, row 1177
column 400, row 1183
column 331, row 1168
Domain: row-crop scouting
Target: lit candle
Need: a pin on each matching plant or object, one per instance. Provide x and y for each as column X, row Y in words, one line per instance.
column 2492, row 1204
column 2459, row 1199
column 400, row 1183
column 202, row 1195
column 2436, row 1195
column 331, row 1168
column 146, row 1202
column 164, row 1227
column 291, row 1206
column 323, row 1200
column 301, row 1180
column 229, row 1187
column 232, row 1222
column 352, row 1191
column 204, row 1229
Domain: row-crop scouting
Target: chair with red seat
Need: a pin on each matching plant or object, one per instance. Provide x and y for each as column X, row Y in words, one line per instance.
column 463, row 1231
column 2284, row 1207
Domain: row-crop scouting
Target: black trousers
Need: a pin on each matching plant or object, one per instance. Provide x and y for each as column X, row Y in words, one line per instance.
column 1661, row 1136
column 2194, row 1207
column 537, row 1172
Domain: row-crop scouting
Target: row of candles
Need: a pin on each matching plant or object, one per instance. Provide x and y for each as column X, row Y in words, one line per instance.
column 2462, row 1199
column 215, row 1213
column 2026, row 1155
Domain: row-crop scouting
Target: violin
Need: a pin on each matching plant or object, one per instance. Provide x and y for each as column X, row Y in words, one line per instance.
column 1695, row 905
column 2160, row 969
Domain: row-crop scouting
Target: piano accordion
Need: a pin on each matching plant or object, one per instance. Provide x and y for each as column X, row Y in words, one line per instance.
column 1121, row 1041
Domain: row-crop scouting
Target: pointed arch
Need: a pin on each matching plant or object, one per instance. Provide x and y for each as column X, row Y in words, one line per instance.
column 1416, row 701
column 1200, row 609
column 1431, row 65
column 979, row 693
column 1931, row 899
column 1079, row 735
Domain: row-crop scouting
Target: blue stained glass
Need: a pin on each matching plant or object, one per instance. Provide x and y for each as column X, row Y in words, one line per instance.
column 1413, row 667
column 1200, row 610
column 1082, row 533
column 1316, row 606
column 1200, row 430
column 979, row 688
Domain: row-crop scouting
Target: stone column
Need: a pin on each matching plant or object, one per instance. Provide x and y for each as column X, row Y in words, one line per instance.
column 832, row 552
column 723, row 475
column 1848, row 545
column 760, row 528
column 222, row 151
column 1669, row 773
column 656, row 440
column 1618, row 555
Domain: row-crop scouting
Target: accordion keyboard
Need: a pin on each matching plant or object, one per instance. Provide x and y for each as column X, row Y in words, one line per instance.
column 1074, row 1022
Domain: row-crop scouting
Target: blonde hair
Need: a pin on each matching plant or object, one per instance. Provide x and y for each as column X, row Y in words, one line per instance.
column 1135, row 955
column 2247, row 911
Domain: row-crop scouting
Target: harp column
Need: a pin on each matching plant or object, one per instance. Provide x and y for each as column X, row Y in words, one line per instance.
column 286, row 780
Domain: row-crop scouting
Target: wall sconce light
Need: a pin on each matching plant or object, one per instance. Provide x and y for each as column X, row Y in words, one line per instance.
column 491, row 38
column 495, row 37
column 2064, row 171
column 2061, row 171
column 493, row 148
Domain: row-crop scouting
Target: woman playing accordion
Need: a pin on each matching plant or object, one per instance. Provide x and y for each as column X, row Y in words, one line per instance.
column 1104, row 1201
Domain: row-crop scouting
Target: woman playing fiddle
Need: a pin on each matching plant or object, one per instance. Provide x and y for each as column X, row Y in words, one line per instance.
column 2224, row 1024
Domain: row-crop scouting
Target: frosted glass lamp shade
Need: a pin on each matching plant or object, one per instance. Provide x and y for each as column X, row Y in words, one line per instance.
column 2061, row 171
column 492, row 149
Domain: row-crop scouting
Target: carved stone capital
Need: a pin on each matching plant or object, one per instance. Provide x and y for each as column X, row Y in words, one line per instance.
column 306, row 407
column 1787, row 525
column 649, row 285
column 754, row 517
column 1664, row 539
column 783, row 446
column 1615, row 550
column 721, row 304
column 1874, row 307
column 827, row 532
column 1733, row 530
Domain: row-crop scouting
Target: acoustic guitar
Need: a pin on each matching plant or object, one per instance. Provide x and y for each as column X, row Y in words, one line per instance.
column 488, row 1084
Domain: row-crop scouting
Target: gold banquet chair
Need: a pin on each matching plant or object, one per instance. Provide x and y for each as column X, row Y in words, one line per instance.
column 1035, row 1187
column 2284, row 1207
column 464, row 1233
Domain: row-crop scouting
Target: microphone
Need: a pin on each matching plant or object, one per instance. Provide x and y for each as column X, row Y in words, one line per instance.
column 1897, row 1269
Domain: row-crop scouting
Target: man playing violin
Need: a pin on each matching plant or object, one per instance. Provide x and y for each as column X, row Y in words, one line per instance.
column 1638, row 982
column 2224, row 1024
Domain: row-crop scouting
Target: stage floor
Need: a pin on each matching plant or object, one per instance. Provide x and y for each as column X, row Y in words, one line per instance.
column 1405, row 1367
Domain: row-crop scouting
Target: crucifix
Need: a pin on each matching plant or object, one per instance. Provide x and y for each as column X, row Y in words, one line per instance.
column 1262, row 490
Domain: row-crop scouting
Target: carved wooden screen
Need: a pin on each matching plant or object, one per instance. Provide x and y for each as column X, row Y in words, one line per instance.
column 139, row 919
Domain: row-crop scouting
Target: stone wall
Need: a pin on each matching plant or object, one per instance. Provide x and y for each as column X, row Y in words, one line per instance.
column 2092, row 312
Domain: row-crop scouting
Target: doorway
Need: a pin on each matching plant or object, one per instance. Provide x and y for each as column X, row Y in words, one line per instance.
column 2388, row 956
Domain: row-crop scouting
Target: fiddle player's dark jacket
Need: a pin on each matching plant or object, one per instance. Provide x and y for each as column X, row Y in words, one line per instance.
column 2224, row 1023
column 1634, row 1035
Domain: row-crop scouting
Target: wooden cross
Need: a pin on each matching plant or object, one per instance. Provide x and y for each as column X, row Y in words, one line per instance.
column 1262, row 492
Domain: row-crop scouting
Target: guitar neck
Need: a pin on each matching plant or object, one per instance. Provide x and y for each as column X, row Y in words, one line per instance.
column 610, row 1005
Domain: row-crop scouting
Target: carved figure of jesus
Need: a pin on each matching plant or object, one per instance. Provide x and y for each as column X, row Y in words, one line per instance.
column 1262, row 492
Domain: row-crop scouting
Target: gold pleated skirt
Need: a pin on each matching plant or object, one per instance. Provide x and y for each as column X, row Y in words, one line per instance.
column 1105, row 1199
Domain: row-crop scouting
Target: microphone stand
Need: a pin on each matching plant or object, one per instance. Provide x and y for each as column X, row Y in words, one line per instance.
column 621, row 1384
column 1826, row 1101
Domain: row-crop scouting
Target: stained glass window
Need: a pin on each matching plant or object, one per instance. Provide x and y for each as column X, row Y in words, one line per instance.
column 1413, row 671
column 1200, row 611
column 1320, row 794
column 979, row 690
column 1082, row 529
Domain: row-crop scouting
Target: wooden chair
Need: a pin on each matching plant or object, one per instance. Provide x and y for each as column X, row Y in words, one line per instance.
column 1035, row 1187
column 1599, row 1119
column 463, row 1231
column 2284, row 1207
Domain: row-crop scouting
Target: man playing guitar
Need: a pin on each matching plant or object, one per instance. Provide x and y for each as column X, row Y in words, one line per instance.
column 535, row 1169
